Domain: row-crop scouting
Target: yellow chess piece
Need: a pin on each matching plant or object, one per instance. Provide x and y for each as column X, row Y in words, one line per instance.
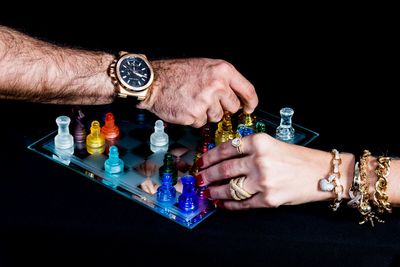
column 224, row 131
column 247, row 119
column 95, row 141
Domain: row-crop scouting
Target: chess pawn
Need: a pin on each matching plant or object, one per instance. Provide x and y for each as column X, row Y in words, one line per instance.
column 110, row 131
column 169, row 167
column 114, row 164
column 95, row 142
column 224, row 131
column 166, row 193
column 159, row 139
column 246, row 124
column 64, row 142
column 285, row 131
column 261, row 127
column 247, row 119
column 188, row 201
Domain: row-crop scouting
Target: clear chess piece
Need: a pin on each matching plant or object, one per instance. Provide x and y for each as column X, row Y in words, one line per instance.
column 159, row 139
column 63, row 142
column 285, row 130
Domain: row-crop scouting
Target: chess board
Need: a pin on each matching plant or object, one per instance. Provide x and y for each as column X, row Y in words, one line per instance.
column 141, row 178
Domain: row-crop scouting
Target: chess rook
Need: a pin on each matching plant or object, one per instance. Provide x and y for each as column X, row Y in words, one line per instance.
column 285, row 131
column 188, row 201
column 64, row 141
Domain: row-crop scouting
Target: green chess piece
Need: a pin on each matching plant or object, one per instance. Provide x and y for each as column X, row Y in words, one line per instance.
column 169, row 167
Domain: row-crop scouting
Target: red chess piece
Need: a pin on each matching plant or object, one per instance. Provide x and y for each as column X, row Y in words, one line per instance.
column 110, row 130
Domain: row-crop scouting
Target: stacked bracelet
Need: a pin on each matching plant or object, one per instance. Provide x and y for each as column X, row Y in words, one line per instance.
column 354, row 191
column 332, row 182
column 359, row 192
column 364, row 207
column 380, row 197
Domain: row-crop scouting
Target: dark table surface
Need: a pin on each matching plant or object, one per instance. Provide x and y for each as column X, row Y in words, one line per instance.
column 49, row 211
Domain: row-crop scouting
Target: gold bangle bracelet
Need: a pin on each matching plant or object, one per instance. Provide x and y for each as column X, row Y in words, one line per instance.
column 365, row 208
column 380, row 196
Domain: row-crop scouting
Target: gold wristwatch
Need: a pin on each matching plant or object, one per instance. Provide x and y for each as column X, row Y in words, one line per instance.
column 131, row 74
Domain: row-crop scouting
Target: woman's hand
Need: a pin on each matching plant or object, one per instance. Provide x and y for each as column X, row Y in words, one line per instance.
column 276, row 173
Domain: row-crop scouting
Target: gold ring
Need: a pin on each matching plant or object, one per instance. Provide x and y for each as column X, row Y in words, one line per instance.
column 236, row 189
column 237, row 142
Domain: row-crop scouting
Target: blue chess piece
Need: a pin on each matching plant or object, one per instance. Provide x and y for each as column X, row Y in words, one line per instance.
column 188, row 201
column 244, row 130
column 114, row 164
column 211, row 146
column 166, row 193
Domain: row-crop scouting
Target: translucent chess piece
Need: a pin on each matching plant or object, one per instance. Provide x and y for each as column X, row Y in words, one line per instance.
column 224, row 131
column 95, row 142
column 246, row 124
column 78, row 126
column 159, row 139
column 261, row 127
column 114, row 164
column 247, row 119
column 285, row 131
column 166, row 193
column 64, row 142
column 169, row 166
column 188, row 201
column 110, row 130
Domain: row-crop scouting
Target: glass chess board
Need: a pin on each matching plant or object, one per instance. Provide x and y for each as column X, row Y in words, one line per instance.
column 141, row 178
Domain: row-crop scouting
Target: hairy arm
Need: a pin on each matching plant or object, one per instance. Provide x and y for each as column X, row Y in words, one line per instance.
column 33, row 70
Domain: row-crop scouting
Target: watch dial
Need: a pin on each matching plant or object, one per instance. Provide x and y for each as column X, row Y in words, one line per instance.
column 134, row 71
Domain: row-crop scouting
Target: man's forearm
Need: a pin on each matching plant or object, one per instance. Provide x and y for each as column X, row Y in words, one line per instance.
column 37, row 71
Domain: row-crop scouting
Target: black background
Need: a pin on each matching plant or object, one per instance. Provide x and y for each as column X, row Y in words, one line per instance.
column 321, row 68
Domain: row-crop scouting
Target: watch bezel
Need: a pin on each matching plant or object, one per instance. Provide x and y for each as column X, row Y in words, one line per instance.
column 128, row 86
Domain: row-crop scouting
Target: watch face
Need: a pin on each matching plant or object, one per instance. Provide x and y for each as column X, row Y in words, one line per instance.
column 134, row 72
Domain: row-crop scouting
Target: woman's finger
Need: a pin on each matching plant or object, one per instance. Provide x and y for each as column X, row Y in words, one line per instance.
column 224, row 151
column 224, row 192
column 226, row 169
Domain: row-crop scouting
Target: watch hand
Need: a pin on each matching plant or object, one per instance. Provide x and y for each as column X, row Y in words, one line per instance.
column 140, row 75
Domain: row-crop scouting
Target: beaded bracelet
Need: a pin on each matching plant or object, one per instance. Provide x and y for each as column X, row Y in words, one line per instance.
column 332, row 182
column 380, row 196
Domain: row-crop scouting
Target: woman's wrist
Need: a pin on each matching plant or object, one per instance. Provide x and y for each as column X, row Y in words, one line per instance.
column 324, row 168
column 347, row 173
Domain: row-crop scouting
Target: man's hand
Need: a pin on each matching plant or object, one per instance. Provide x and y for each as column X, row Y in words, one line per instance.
column 194, row 91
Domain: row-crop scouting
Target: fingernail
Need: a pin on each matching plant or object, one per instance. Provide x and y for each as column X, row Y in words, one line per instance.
column 218, row 204
column 207, row 193
column 199, row 180
column 199, row 162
